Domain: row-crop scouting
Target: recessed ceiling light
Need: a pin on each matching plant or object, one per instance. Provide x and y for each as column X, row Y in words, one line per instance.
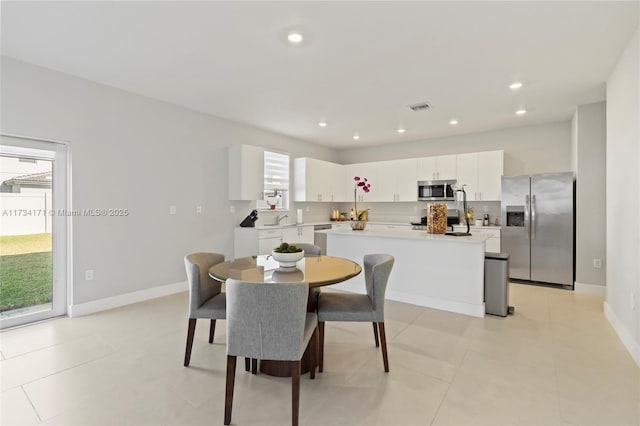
column 515, row 85
column 356, row 137
column 295, row 38
column 401, row 130
column 453, row 122
column 521, row 111
column 322, row 124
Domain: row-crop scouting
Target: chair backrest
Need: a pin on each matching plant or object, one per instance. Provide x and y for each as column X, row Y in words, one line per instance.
column 377, row 268
column 266, row 320
column 309, row 249
column 201, row 286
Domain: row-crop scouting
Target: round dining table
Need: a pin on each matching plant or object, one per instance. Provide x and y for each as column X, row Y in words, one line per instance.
column 317, row 271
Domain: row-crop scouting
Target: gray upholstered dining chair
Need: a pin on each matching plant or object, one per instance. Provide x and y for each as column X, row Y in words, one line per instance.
column 206, row 299
column 269, row 321
column 360, row 307
column 309, row 249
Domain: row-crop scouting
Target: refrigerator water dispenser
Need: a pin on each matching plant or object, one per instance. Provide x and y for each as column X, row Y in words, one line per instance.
column 515, row 216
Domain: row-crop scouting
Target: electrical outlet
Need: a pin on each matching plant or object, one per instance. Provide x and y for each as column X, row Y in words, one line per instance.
column 597, row 263
column 232, row 209
column 88, row 275
column 172, row 209
column 198, row 209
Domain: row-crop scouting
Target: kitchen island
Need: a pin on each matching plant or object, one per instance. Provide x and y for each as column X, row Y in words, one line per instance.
column 436, row 271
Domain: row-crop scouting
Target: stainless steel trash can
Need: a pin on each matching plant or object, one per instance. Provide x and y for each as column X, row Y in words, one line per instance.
column 496, row 284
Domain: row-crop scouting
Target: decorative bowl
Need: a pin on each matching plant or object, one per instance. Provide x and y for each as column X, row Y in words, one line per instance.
column 287, row 260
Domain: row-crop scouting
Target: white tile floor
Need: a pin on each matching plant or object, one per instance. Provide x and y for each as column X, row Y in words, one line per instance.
column 556, row 362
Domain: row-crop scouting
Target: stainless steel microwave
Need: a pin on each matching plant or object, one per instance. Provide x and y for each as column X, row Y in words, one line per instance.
column 436, row 190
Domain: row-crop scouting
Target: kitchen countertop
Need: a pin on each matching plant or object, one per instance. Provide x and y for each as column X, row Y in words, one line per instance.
column 407, row 224
column 407, row 234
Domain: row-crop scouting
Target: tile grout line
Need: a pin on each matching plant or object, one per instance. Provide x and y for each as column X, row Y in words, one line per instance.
column 555, row 361
column 453, row 379
column 60, row 371
column 31, row 403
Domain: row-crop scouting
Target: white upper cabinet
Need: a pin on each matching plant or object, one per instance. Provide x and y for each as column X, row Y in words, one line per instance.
column 317, row 180
column 363, row 170
column 397, row 180
column 437, row 168
column 481, row 172
column 490, row 170
column 468, row 174
column 246, row 172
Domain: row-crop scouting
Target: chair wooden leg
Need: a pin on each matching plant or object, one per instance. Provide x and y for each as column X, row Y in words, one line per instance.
column 321, row 348
column 231, row 378
column 295, row 391
column 247, row 363
column 190, row 332
column 254, row 365
column 375, row 333
column 313, row 359
column 212, row 330
column 383, row 340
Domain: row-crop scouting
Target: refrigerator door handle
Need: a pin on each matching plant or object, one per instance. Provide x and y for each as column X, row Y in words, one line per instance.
column 526, row 216
column 533, row 217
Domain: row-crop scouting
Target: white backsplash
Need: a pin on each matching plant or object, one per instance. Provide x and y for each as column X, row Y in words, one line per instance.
column 398, row 212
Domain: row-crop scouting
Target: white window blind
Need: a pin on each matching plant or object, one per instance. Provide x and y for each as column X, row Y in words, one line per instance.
column 276, row 181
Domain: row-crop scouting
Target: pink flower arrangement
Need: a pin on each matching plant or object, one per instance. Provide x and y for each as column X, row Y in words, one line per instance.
column 366, row 187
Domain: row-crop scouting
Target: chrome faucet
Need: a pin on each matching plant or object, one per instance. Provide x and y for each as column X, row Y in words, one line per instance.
column 279, row 218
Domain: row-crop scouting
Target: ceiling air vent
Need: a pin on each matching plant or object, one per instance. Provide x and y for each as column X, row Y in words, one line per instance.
column 422, row 106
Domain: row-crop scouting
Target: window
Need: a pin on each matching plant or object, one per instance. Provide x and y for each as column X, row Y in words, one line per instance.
column 276, row 182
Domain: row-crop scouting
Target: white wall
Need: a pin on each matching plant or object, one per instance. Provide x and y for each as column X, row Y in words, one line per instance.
column 590, row 137
column 133, row 152
column 529, row 149
column 623, row 193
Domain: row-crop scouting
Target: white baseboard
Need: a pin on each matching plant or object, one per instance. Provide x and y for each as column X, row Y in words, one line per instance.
column 592, row 289
column 627, row 339
column 414, row 299
column 442, row 304
column 126, row 299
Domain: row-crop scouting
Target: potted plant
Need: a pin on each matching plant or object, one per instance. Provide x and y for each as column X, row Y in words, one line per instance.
column 360, row 220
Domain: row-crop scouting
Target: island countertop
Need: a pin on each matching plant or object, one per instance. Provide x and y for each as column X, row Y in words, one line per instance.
column 408, row 234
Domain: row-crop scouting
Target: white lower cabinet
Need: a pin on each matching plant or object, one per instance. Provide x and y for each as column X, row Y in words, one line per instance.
column 298, row 234
column 255, row 241
column 265, row 245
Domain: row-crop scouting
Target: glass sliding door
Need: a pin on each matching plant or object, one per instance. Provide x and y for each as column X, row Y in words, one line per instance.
column 34, row 230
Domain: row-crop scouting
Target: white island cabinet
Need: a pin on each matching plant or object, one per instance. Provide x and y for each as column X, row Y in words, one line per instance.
column 436, row 271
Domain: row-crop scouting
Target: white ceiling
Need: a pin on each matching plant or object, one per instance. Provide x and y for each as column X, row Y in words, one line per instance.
column 360, row 65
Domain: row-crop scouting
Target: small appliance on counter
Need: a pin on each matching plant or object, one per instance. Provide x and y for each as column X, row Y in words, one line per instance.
column 250, row 221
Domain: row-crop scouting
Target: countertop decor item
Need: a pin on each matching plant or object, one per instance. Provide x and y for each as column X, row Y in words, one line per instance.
column 362, row 215
column 461, row 197
column 358, row 225
column 436, row 218
column 287, row 255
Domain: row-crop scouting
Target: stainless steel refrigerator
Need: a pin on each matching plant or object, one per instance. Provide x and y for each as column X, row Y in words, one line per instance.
column 538, row 227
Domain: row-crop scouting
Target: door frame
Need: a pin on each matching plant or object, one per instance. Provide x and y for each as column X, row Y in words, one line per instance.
column 62, row 255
